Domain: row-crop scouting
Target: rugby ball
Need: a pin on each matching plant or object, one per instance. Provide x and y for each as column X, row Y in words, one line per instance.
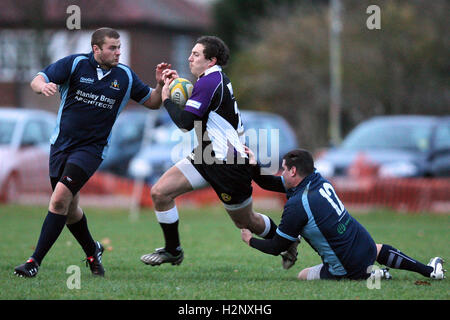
column 180, row 91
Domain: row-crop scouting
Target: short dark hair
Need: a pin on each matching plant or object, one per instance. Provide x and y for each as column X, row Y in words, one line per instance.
column 98, row 37
column 215, row 47
column 301, row 159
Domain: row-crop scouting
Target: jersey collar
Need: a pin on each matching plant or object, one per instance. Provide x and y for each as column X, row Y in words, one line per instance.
column 92, row 60
column 292, row 191
column 211, row 70
column 100, row 72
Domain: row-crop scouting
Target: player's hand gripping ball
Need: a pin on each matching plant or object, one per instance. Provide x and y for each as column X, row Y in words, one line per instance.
column 180, row 91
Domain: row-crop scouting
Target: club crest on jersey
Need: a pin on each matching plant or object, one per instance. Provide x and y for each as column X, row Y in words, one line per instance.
column 115, row 85
column 225, row 197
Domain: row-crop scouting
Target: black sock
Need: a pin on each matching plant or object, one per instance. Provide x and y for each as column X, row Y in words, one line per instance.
column 394, row 258
column 51, row 229
column 81, row 232
column 172, row 237
column 272, row 231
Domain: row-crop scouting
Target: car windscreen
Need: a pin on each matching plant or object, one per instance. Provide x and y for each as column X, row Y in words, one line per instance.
column 6, row 130
column 442, row 139
column 172, row 135
column 389, row 135
column 125, row 132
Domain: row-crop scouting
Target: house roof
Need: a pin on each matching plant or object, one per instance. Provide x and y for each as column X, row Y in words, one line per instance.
column 179, row 14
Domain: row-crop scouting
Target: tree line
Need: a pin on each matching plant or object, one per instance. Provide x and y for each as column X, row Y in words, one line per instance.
column 280, row 60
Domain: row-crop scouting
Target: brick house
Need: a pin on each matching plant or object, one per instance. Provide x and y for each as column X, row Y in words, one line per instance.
column 34, row 33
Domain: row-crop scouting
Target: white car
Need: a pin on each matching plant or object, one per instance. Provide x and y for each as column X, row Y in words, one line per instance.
column 24, row 151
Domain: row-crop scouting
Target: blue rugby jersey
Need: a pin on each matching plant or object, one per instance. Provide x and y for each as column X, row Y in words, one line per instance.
column 91, row 100
column 314, row 211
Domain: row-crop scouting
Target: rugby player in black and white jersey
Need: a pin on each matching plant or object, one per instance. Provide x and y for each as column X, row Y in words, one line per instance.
column 219, row 160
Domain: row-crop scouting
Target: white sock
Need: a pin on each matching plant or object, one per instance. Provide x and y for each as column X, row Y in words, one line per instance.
column 267, row 227
column 169, row 216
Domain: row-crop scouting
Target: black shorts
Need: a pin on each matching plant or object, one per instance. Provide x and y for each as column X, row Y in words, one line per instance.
column 231, row 182
column 72, row 168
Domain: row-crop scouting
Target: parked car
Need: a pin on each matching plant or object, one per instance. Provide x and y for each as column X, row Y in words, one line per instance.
column 127, row 137
column 24, row 151
column 267, row 134
column 397, row 146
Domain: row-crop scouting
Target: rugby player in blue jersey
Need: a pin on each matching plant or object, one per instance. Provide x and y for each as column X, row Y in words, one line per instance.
column 219, row 160
column 94, row 89
column 314, row 212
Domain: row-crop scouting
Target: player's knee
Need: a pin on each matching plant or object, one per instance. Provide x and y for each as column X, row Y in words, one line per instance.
column 158, row 195
column 74, row 213
column 155, row 193
column 60, row 199
column 59, row 205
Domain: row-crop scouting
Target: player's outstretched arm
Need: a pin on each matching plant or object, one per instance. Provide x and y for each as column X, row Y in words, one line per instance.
column 154, row 102
column 183, row 119
column 273, row 246
column 40, row 86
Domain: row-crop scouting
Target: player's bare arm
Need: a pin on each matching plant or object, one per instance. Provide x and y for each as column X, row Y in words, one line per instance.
column 40, row 86
column 183, row 119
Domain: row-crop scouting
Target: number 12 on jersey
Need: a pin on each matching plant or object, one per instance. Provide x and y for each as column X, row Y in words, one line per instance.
column 327, row 192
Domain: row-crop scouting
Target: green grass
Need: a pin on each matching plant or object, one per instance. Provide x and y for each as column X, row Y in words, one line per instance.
column 217, row 265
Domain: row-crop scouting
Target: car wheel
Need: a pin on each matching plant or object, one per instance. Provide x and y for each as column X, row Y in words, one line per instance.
column 11, row 189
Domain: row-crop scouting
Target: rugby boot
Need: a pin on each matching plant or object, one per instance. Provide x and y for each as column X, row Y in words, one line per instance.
column 28, row 270
column 438, row 268
column 95, row 261
column 161, row 256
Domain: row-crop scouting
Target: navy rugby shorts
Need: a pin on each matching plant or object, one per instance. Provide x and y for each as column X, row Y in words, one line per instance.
column 73, row 168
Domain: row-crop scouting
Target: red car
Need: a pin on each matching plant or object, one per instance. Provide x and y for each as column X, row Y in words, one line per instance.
column 24, row 152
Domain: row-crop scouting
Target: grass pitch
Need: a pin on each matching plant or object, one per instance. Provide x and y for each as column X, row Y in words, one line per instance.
column 217, row 265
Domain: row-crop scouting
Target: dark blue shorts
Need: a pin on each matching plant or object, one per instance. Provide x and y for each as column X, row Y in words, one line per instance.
column 357, row 272
column 361, row 274
column 79, row 163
